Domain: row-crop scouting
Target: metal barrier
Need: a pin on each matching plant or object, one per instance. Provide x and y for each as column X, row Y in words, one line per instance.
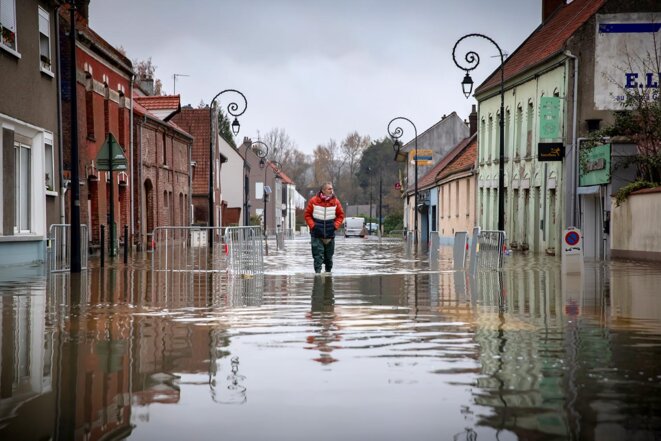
column 245, row 250
column 59, row 247
column 185, row 249
column 490, row 249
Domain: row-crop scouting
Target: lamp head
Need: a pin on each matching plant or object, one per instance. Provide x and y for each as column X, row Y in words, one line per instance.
column 467, row 85
column 262, row 163
column 236, row 126
column 396, row 145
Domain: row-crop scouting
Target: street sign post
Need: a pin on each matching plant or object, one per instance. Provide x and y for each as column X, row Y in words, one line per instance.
column 110, row 158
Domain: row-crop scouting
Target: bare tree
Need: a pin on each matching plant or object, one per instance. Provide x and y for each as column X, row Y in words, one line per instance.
column 282, row 147
column 353, row 147
column 328, row 163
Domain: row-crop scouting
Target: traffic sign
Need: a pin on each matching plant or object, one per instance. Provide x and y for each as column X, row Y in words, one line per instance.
column 111, row 156
column 572, row 243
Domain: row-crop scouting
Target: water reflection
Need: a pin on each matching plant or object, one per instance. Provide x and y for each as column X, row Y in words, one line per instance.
column 526, row 353
column 326, row 331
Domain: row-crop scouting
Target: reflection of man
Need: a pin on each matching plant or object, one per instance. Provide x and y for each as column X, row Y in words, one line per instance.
column 322, row 312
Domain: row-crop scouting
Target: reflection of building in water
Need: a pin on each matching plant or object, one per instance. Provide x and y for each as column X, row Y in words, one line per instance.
column 322, row 314
column 26, row 357
column 536, row 349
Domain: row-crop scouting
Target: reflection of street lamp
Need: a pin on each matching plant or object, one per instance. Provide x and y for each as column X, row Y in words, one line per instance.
column 232, row 109
column 369, row 175
column 397, row 146
column 473, row 59
column 261, row 149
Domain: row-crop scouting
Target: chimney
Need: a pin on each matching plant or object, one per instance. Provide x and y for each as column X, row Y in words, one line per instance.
column 147, row 85
column 549, row 7
column 472, row 121
column 83, row 9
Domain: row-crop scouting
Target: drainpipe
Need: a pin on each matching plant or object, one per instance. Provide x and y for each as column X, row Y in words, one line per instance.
column 60, row 162
column 131, row 190
column 574, row 156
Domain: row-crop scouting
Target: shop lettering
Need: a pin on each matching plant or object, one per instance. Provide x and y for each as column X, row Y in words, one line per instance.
column 651, row 80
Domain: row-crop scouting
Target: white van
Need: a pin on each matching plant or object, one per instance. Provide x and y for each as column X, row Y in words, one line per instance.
column 354, row 226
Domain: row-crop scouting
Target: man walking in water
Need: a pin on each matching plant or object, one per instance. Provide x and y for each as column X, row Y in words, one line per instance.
column 323, row 215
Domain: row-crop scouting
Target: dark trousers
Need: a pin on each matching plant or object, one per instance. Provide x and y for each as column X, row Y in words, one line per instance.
column 322, row 253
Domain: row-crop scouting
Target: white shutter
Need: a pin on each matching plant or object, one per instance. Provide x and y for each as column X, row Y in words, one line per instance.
column 44, row 22
column 8, row 14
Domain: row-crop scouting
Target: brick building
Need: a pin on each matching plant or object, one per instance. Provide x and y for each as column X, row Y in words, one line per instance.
column 104, row 76
column 197, row 123
column 162, row 154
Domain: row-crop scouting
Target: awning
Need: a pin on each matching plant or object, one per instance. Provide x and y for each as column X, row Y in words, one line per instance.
column 592, row 189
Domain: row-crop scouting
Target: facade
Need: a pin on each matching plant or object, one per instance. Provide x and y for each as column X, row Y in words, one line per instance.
column 440, row 139
column 554, row 89
column 198, row 122
column 451, row 185
column 263, row 188
column 31, row 184
column 162, row 154
column 103, row 78
column 230, row 181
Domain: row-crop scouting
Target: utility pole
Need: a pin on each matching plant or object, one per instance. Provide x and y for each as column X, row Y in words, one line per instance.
column 75, row 178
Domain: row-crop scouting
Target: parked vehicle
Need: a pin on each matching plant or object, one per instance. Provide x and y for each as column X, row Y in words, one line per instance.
column 354, row 226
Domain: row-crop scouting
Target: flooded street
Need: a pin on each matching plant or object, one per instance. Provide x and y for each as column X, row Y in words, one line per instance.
column 388, row 347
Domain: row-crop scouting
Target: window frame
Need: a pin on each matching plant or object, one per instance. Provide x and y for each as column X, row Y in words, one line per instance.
column 9, row 28
column 45, row 66
column 19, row 147
column 49, row 166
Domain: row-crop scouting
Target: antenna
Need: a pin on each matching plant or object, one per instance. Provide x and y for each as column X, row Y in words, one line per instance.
column 174, row 82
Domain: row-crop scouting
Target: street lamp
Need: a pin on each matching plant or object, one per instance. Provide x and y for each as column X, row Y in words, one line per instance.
column 473, row 60
column 397, row 146
column 261, row 149
column 233, row 109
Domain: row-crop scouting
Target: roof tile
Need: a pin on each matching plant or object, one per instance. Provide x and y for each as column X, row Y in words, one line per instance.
column 547, row 40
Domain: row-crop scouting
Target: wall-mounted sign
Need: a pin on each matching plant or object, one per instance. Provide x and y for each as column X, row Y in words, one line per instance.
column 550, row 129
column 424, row 156
column 621, row 65
column 595, row 166
column 550, row 151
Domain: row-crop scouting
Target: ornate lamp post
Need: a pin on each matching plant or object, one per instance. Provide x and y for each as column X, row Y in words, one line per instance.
column 233, row 109
column 261, row 150
column 395, row 134
column 473, row 60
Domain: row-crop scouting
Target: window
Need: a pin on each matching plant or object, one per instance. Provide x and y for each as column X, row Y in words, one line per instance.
column 519, row 129
column 456, row 196
column 22, row 195
column 468, row 197
column 44, row 39
column 49, row 164
column 490, row 139
column 529, row 123
column 8, row 24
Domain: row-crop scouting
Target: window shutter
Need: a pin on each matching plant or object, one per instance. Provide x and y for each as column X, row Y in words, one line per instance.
column 44, row 22
column 8, row 14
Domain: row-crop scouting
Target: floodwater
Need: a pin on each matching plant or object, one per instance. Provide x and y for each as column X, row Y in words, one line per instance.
column 388, row 347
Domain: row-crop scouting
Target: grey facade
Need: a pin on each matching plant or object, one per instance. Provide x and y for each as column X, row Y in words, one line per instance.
column 440, row 138
column 29, row 146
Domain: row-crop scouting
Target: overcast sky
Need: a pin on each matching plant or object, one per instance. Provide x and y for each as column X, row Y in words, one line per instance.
column 319, row 69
